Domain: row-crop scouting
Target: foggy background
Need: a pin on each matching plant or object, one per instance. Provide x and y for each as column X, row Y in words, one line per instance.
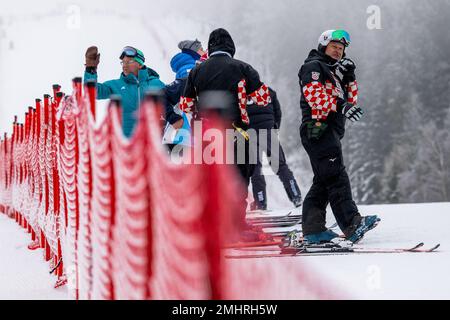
column 399, row 151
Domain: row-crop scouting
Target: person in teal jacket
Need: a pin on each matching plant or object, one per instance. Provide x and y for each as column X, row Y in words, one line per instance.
column 135, row 81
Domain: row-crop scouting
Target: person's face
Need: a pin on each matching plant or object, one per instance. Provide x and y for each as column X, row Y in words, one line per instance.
column 335, row 50
column 130, row 66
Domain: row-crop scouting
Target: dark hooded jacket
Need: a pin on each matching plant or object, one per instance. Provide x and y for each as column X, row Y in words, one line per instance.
column 221, row 73
column 319, row 67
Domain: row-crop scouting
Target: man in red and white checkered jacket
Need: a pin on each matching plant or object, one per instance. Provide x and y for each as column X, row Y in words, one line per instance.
column 329, row 97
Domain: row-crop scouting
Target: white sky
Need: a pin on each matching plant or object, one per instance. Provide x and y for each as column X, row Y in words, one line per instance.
column 44, row 42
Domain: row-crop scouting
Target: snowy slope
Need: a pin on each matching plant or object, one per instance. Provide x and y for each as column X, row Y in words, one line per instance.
column 397, row 276
column 385, row 276
column 24, row 275
column 391, row 276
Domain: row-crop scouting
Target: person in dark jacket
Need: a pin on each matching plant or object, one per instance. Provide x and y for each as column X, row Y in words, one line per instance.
column 329, row 96
column 221, row 72
column 233, row 81
column 267, row 119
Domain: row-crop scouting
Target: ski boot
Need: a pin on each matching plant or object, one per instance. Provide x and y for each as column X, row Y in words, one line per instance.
column 366, row 224
column 319, row 238
column 324, row 242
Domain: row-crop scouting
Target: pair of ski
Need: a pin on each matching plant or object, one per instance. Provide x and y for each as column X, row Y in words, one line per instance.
column 277, row 238
column 286, row 233
column 285, row 221
column 325, row 250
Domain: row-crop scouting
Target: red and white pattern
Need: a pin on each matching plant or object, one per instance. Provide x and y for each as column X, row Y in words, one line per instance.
column 322, row 99
column 261, row 96
column 242, row 99
column 352, row 90
column 187, row 104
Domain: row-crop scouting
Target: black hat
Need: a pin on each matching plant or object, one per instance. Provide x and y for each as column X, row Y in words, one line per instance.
column 220, row 40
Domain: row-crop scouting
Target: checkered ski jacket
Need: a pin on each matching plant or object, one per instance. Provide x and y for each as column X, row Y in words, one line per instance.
column 323, row 91
column 226, row 74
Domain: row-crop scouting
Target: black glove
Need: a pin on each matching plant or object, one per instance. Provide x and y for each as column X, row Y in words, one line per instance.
column 351, row 112
column 347, row 68
column 316, row 129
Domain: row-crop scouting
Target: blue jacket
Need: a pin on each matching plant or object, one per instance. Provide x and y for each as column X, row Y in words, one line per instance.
column 182, row 63
column 131, row 89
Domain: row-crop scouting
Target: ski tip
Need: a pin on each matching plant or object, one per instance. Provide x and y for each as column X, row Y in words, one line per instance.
column 435, row 248
column 421, row 244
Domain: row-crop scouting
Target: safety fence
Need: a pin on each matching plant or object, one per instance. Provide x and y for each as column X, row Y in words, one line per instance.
column 116, row 219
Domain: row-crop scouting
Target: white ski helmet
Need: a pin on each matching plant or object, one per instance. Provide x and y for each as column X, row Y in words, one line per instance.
column 341, row 36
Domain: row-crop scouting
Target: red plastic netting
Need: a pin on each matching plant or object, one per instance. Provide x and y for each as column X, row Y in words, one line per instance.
column 118, row 220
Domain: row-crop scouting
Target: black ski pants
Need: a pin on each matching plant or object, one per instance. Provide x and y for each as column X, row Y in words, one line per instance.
column 331, row 185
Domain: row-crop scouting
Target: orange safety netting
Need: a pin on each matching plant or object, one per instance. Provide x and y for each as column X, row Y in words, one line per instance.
column 118, row 220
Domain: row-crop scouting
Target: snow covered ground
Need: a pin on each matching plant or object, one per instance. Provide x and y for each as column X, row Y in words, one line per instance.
column 396, row 276
column 24, row 275
column 390, row 276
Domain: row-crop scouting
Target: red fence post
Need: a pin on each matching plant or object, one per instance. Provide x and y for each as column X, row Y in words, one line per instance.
column 22, row 168
column 91, row 86
column 34, row 180
column 56, row 89
column 12, row 166
column 47, row 186
column 27, row 165
column 78, row 88
column 5, row 135
column 56, row 181
column 39, row 133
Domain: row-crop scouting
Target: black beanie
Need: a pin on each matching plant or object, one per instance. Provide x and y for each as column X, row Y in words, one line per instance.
column 220, row 40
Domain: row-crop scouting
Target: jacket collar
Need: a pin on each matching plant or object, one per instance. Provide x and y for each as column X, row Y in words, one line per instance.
column 321, row 56
column 220, row 53
column 143, row 75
